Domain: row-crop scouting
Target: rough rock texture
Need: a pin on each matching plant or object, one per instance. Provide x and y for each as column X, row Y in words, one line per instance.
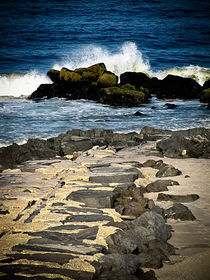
column 160, row 185
column 147, row 238
column 187, row 143
column 178, row 87
column 167, row 171
column 177, row 198
column 179, row 211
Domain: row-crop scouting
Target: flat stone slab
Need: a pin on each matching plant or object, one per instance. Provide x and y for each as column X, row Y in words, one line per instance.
column 87, row 218
column 93, row 198
column 177, row 198
column 114, row 178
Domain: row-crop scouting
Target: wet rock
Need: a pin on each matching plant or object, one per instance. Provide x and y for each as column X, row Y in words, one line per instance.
column 170, row 106
column 186, row 143
column 179, row 211
column 160, row 185
column 118, row 96
column 167, row 171
column 177, row 198
column 107, row 79
column 93, row 198
column 205, row 96
column 139, row 114
column 152, row 134
column 177, row 87
column 54, row 75
column 206, row 84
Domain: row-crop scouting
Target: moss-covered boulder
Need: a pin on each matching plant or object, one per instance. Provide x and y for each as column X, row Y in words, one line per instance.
column 119, row 96
column 107, row 79
column 54, row 75
column 69, row 76
column 205, row 96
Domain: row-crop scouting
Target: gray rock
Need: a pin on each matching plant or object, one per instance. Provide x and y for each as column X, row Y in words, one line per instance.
column 168, row 171
column 87, row 218
column 179, row 211
column 186, row 143
column 177, row 198
column 114, row 178
column 160, row 185
column 93, row 198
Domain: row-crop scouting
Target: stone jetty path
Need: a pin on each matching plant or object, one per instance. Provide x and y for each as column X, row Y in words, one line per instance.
column 59, row 218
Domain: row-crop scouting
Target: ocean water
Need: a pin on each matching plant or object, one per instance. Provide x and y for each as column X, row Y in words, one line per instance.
column 156, row 37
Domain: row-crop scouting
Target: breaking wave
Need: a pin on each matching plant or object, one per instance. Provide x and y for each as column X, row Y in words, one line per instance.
column 127, row 58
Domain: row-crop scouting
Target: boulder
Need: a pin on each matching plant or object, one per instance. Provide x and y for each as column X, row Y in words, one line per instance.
column 177, row 198
column 179, row 211
column 186, row 143
column 170, row 106
column 54, row 75
column 160, row 185
column 117, row 96
column 206, row 84
column 43, row 91
column 205, row 96
column 167, row 171
column 131, row 202
column 107, row 79
column 67, row 75
column 139, row 80
column 34, row 149
column 178, row 87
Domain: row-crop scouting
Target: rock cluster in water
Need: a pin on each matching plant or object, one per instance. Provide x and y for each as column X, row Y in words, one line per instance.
column 98, row 84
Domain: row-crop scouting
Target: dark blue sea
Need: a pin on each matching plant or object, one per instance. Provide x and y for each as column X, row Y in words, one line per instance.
column 155, row 37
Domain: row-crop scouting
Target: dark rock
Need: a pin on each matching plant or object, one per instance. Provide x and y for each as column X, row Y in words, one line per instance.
column 178, row 87
column 139, row 80
column 177, row 198
column 46, row 257
column 152, row 134
column 54, row 75
column 205, row 96
column 107, row 79
column 118, row 96
column 147, row 228
column 131, row 202
column 87, row 218
column 34, row 149
column 30, row 269
column 93, row 198
column 179, row 211
column 206, row 84
column 170, row 106
column 167, row 171
column 186, row 143
column 116, row 262
column 160, row 185
column 149, row 163
column 139, row 114
column 114, row 178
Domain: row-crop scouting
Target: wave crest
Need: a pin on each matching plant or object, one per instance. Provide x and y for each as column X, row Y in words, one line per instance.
column 128, row 58
column 18, row 85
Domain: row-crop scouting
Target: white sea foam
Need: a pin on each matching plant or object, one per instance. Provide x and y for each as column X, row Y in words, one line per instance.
column 200, row 74
column 21, row 85
column 127, row 58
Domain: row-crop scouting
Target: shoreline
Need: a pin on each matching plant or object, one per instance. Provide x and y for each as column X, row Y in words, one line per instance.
column 41, row 181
